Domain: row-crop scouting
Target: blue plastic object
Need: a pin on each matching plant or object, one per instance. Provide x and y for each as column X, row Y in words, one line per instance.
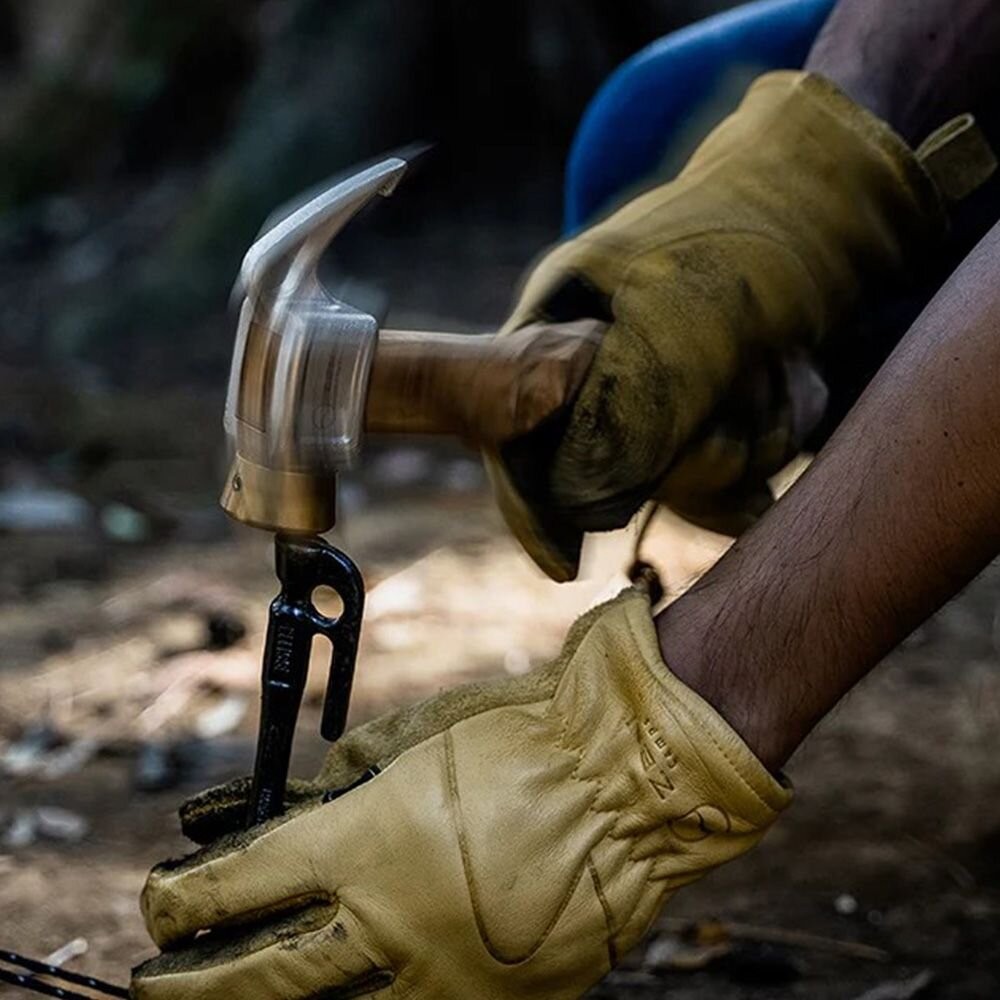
column 632, row 120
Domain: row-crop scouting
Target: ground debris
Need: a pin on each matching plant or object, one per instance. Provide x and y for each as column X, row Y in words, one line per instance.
column 156, row 768
column 25, row 508
column 67, row 952
column 27, row 754
column 705, row 933
column 223, row 629
column 222, row 717
column 905, row 989
column 68, row 759
column 672, row 953
column 123, row 523
column 189, row 763
column 28, row 825
column 43, row 752
column 707, row 943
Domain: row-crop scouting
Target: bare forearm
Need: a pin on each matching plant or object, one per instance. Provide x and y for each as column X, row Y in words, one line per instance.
column 898, row 512
column 915, row 63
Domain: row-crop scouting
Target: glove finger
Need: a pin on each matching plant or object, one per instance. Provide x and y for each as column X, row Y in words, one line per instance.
column 562, row 288
column 710, row 465
column 723, row 464
column 720, row 479
column 237, row 880
column 808, row 395
column 790, row 399
column 519, row 477
column 324, row 952
column 715, row 486
column 769, row 423
column 271, row 871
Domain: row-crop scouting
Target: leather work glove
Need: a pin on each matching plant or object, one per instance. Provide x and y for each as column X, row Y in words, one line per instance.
column 523, row 842
column 715, row 289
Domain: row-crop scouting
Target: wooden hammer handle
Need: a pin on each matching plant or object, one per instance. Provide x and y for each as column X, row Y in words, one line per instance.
column 485, row 389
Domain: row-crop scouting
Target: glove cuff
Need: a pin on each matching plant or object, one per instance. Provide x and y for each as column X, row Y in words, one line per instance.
column 669, row 768
column 877, row 140
column 949, row 165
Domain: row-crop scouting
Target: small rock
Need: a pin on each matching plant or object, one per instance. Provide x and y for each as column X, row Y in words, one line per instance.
column 668, row 953
column 69, row 759
column 26, row 509
column 28, row 753
column 156, row 768
column 208, row 763
column 906, row 989
column 55, row 823
column 845, row 904
column 178, row 633
column 224, row 630
column 162, row 766
column 221, row 718
column 69, row 951
column 22, row 830
column 124, row 524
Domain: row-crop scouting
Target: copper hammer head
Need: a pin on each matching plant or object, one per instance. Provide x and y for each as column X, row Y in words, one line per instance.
column 295, row 406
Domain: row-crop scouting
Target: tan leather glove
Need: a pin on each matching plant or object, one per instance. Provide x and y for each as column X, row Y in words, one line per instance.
column 515, row 853
column 787, row 214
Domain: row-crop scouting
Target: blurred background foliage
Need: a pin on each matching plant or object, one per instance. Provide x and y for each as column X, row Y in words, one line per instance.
column 144, row 142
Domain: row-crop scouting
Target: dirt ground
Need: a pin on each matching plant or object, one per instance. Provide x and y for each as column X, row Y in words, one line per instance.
column 893, row 843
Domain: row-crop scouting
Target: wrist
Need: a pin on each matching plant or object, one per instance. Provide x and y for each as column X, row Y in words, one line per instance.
column 914, row 67
column 769, row 725
column 872, row 86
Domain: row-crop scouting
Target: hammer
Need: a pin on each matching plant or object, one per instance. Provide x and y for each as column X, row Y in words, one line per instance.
column 310, row 376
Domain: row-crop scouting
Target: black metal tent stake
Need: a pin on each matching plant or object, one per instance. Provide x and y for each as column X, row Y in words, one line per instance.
column 303, row 565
